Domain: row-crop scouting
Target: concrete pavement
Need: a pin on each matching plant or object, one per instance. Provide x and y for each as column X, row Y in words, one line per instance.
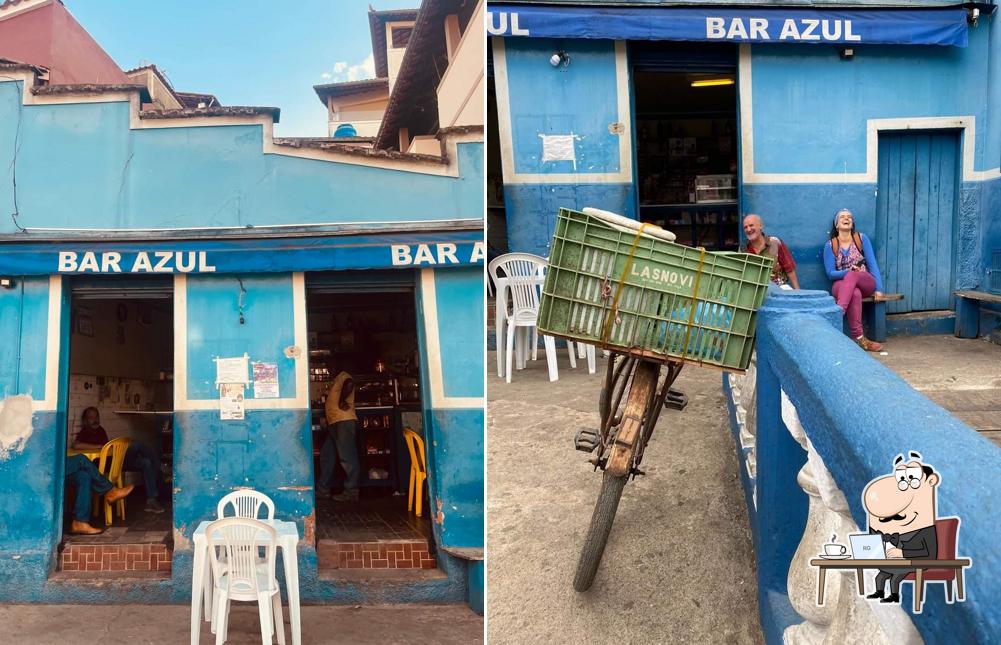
column 961, row 375
column 161, row 624
column 679, row 566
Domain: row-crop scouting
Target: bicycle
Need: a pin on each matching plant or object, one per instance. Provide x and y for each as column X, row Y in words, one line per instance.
column 626, row 429
column 624, row 286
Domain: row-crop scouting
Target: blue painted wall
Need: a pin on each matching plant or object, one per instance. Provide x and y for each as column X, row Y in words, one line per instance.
column 532, row 208
column 582, row 98
column 131, row 177
column 214, row 328
column 454, row 434
column 793, row 84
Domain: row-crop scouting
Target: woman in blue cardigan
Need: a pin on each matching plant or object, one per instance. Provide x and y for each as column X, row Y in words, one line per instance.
column 851, row 264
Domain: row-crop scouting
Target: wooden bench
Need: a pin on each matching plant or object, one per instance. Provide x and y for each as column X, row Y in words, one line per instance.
column 968, row 311
column 874, row 317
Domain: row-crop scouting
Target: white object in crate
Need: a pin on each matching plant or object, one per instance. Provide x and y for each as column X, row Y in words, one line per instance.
column 627, row 225
column 711, row 189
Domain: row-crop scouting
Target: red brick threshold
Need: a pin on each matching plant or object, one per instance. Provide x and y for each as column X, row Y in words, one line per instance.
column 380, row 554
column 115, row 558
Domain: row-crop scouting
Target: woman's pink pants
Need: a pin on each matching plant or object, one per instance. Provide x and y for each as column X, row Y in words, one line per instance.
column 849, row 292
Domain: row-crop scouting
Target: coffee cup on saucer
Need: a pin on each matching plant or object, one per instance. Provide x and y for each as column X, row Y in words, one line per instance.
column 835, row 550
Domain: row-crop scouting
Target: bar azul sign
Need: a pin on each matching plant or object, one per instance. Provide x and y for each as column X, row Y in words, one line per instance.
column 143, row 262
column 432, row 254
column 853, row 26
column 804, row 29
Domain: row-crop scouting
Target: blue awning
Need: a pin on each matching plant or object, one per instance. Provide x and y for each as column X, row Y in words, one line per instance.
column 720, row 24
column 402, row 250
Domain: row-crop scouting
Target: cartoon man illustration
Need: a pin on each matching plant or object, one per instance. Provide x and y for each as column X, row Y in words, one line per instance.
column 901, row 507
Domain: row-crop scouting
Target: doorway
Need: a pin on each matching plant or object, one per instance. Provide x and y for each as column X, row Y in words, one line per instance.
column 366, row 325
column 915, row 214
column 687, row 138
column 120, row 386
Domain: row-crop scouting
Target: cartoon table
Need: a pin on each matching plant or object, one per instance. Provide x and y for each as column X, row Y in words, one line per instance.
column 823, row 565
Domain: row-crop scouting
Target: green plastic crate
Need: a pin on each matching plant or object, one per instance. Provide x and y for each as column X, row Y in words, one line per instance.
column 587, row 260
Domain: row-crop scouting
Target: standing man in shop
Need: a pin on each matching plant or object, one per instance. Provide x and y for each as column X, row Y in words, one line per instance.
column 342, row 428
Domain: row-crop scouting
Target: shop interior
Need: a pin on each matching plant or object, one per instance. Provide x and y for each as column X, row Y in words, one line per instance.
column 687, row 141
column 371, row 335
column 121, row 364
column 496, row 219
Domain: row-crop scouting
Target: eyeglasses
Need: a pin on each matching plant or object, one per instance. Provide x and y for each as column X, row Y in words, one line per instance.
column 909, row 477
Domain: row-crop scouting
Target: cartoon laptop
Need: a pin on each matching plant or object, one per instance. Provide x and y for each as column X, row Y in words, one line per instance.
column 866, row 546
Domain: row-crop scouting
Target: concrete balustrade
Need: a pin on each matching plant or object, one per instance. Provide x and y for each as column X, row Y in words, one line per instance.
column 814, row 422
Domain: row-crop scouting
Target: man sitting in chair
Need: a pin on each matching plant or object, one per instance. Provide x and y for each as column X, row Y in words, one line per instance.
column 901, row 508
column 137, row 457
column 83, row 475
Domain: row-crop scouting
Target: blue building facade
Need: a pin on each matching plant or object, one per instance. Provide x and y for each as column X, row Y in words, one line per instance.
column 890, row 111
column 235, row 225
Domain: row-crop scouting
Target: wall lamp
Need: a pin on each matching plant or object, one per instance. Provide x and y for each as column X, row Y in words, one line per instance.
column 712, row 82
column 846, row 53
column 560, row 59
column 7, row 283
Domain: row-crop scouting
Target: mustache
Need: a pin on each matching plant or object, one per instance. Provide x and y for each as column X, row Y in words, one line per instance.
column 898, row 516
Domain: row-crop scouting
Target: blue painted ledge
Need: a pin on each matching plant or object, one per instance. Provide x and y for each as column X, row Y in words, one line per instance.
column 859, row 415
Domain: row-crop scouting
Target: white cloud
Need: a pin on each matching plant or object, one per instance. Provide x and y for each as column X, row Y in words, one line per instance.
column 344, row 71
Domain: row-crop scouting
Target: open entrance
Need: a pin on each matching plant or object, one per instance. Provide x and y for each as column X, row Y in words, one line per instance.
column 119, row 428
column 366, row 328
column 687, row 140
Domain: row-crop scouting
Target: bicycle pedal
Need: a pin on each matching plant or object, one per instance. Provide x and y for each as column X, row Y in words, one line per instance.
column 586, row 440
column 636, row 472
column 676, row 399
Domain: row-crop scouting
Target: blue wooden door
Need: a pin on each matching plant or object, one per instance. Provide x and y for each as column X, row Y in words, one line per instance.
column 916, row 203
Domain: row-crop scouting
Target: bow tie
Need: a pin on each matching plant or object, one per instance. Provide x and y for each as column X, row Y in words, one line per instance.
column 892, row 538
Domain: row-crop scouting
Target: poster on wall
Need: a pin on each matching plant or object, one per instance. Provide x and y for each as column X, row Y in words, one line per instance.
column 231, row 370
column 231, row 405
column 265, row 380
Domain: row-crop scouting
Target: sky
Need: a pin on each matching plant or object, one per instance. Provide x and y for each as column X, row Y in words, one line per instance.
column 246, row 52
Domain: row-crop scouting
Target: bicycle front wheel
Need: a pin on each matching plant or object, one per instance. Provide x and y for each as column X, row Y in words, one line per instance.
column 642, row 389
column 598, row 532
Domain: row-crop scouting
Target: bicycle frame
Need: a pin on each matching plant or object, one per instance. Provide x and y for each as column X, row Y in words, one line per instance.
column 624, row 437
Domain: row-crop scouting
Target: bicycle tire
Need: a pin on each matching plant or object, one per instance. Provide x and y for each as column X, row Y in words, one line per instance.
column 599, row 530
column 643, row 386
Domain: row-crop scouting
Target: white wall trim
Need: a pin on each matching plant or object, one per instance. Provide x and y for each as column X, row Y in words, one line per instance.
column 53, row 344
column 873, row 127
column 439, row 400
column 505, row 132
column 448, row 169
column 301, row 369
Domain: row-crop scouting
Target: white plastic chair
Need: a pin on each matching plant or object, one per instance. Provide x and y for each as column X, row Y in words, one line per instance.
column 522, row 271
column 246, row 503
column 234, row 544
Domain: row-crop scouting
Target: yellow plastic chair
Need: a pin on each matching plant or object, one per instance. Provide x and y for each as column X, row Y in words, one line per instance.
column 418, row 469
column 110, row 463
